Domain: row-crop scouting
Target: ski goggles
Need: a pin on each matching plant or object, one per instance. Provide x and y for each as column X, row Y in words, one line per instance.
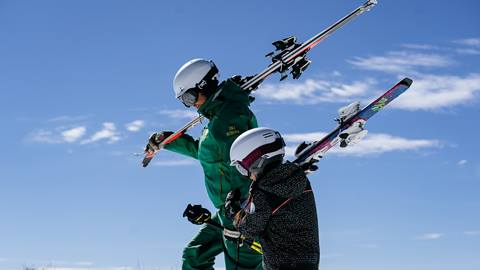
column 238, row 165
column 189, row 98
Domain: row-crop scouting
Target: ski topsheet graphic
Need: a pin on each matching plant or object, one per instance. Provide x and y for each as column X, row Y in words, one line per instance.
column 351, row 126
column 288, row 57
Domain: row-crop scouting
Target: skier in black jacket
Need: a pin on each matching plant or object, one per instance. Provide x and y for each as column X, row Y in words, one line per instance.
column 281, row 207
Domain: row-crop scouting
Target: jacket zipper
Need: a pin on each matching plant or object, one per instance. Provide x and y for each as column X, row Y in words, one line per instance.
column 221, row 184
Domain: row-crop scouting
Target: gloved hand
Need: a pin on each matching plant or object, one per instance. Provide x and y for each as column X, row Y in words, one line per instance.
column 300, row 148
column 155, row 140
column 196, row 214
column 310, row 166
column 233, row 236
column 232, row 203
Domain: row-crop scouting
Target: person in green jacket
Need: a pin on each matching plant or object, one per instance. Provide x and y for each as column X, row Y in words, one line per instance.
column 225, row 105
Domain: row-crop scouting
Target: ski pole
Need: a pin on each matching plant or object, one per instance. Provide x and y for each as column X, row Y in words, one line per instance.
column 198, row 215
column 254, row 245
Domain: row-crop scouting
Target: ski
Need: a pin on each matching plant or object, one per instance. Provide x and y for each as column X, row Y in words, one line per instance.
column 290, row 56
column 351, row 125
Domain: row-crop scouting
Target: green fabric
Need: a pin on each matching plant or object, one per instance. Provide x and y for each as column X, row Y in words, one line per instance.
column 229, row 116
column 209, row 242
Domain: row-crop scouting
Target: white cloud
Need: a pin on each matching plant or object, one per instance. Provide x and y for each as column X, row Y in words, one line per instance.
column 44, row 136
column 437, row 91
column 135, row 125
column 401, row 62
column 420, row 46
column 430, row 236
column 469, row 42
column 469, row 51
column 58, row 136
column 301, row 137
column 73, row 134
column 315, row 91
column 472, row 233
column 179, row 113
column 170, row 163
column 108, row 132
column 372, row 144
column 462, row 162
column 67, row 118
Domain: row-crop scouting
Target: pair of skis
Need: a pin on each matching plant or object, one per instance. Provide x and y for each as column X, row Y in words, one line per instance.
column 351, row 128
column 290, row 56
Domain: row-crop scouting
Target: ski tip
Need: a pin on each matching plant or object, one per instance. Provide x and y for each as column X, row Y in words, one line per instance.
column 407, row 82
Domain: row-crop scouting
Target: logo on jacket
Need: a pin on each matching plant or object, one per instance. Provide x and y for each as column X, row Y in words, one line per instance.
column 232, row 131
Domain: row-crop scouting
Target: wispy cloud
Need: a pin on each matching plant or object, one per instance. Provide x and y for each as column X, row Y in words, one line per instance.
column 72, row 135
column 44, row 136
column 430, row 236
column 420, row 46
column 472, row 233
column 68, row 118
column 179, row 114
column 135, row 125
column 315, row 91
column 469, row 51
column 439, row 91
column 108, row 132
column 401, row 61
column 462, row 162
column 59, row 135
column 372, row 144
column 475, row 42
column 171, row 163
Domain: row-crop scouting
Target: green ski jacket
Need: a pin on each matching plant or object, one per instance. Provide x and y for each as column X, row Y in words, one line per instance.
column 229, row 116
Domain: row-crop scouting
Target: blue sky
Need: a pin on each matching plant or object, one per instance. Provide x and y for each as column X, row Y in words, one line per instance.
column 84, row 83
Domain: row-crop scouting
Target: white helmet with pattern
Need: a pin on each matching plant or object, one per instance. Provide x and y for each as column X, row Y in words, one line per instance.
column 192, row 77
column 256, row 148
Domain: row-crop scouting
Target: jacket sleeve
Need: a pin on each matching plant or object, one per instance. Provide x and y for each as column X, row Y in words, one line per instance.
column 184, row 145
column 255, row 218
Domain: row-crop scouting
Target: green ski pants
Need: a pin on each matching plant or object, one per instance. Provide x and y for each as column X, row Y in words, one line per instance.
column 209, row 242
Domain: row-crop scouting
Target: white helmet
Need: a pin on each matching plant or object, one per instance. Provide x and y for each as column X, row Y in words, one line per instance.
column 195, row 75
column 256, row 148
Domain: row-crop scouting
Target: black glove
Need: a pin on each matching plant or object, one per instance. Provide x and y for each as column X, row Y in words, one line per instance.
column 300, row 148
column 155, row 140
column 196, row 214
column 310, row 166
column 232, row 203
